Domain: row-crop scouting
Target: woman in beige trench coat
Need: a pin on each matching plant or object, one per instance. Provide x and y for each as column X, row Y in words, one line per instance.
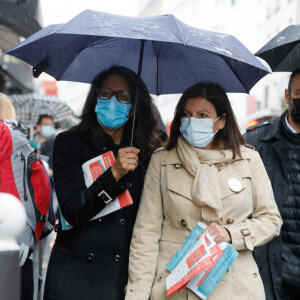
column 206, row 173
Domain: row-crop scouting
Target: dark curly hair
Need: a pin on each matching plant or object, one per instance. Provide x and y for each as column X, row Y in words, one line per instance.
column 146, row 135
column 230, row 136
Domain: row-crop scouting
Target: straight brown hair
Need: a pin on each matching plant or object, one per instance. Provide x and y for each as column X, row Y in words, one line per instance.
column 230, row 136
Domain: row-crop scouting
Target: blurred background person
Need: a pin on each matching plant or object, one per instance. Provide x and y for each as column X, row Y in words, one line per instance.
column 43, row 141
column 44, row 138
column 7, row 110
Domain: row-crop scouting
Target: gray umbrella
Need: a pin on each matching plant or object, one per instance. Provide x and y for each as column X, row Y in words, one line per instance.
column 282, row 52
column 29, row 106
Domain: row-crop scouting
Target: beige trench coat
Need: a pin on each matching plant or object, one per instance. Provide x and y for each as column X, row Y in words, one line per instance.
column 167, row 214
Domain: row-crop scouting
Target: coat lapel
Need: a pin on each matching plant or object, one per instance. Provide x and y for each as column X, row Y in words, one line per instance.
column 274, row 137
column 101, row 140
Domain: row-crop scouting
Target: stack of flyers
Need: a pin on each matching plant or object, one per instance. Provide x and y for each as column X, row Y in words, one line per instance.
column 199, row 264
column 92, row 169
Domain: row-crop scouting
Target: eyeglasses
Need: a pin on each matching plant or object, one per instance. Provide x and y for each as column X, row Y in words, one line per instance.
column 107, row 93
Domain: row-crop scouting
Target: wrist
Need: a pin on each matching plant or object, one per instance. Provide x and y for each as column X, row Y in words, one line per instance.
column 228, row 238
column 115, row 173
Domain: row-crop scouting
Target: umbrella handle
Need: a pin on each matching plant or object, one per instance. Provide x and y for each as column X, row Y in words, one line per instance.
column 137, row 88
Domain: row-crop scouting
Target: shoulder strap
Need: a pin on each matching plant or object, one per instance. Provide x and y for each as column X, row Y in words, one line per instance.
column 23, row 254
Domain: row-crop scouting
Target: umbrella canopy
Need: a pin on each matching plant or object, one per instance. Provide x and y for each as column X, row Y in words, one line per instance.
column 175, row 55
column 30, row 106
column 282, row 52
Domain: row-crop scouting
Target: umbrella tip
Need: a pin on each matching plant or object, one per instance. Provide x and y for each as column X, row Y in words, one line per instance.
column 36, row 72
column 40, row 68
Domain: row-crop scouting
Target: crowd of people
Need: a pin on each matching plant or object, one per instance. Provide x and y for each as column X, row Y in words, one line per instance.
column 174, row 183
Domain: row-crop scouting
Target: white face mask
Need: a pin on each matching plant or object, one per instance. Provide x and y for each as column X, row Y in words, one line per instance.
column 47, row 131
column 198, row 132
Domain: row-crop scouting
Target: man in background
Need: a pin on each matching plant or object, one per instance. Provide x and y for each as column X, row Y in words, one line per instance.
column 278, row 144
column 44, row 139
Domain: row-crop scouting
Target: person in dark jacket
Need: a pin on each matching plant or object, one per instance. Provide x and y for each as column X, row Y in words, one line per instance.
column 90, row 261
column 43, row 141
column 278, row 144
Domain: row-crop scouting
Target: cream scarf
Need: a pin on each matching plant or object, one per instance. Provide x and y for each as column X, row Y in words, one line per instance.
column 204, row 165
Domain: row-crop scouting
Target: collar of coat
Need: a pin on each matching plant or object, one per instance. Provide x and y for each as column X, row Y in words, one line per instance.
column 273, row 130
column 101, row 139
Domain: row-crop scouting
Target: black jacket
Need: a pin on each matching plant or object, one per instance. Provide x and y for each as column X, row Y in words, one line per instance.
column 268, row 140
column 47, row 149
column 90, row 261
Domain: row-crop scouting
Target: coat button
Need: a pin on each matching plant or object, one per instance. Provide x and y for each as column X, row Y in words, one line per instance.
column 90, row 256
column 117, row 258
column 159, row 279
column 128, row 185
column 254, row 275
column 230, row 221
column 184, row 222
column 122, row 222
column 99, row 220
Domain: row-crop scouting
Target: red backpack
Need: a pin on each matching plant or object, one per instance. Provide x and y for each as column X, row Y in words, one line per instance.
column 23, row 175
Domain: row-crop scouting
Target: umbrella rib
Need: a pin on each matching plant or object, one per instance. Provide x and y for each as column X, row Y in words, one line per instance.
column 156, row 65
column 234, row 74
column 178, row 31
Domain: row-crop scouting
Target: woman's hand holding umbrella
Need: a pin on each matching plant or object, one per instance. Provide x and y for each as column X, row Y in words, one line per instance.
column 127, row 160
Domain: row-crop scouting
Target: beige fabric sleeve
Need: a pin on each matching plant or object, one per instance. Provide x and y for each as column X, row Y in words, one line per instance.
column 144, row 247
column 266, row 220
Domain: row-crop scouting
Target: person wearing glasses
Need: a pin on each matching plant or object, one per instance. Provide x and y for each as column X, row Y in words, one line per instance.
column 206, row 173
column 90, row 260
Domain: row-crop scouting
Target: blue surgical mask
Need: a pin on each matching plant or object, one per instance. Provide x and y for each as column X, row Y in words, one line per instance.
column 111, row 113
column 47, row 131
column 197, row 132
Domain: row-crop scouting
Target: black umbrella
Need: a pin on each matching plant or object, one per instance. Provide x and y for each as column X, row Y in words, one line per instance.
column 282, row 52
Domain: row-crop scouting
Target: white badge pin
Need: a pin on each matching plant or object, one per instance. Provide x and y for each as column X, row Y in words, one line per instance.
column 234, row 184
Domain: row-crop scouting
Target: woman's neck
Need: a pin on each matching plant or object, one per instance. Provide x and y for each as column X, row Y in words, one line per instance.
column 116, row 134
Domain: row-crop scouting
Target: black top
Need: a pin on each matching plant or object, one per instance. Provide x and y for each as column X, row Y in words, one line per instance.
column 290, row 212
column 270, row 140
column 90, row 261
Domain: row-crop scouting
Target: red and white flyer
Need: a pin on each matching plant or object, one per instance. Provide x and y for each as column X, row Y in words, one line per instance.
column 199, row 264
column 92, row 169
column 197, row 260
